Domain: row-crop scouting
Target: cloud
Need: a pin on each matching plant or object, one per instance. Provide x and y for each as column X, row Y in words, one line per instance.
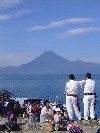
column 79, row 31
column 5, row 17
column 62, row 22
column 7, row 3
column 15, row 15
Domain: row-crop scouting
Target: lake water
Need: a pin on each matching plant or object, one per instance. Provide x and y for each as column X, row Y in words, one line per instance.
column 43, row 86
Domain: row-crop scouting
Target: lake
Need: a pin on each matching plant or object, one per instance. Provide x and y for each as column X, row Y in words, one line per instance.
column 43, row 86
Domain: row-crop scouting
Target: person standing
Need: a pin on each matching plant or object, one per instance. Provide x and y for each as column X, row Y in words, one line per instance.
column 72, row 105
column 89, row 97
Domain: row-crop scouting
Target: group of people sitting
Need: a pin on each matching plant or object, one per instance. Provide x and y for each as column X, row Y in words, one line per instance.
column 55, row 119
column 32, row 111
column 11, row 105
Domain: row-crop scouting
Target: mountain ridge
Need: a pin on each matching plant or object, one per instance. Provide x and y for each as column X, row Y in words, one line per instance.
column 52, row 63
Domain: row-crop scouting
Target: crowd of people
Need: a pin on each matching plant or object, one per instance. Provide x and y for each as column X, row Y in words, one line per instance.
column 8, row 104
column 53, row 116
column 72, row 105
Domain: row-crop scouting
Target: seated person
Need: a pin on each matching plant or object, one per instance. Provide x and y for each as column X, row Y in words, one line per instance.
column 57, row 119
column 12, row 122
column 57, row 116
column 46, row 112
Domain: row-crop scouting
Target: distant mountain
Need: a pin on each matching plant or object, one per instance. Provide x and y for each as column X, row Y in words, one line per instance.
column 51, row 63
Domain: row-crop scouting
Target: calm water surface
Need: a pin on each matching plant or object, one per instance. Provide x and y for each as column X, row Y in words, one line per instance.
column 43, row 86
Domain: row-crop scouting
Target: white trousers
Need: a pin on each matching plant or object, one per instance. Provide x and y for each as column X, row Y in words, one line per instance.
column 89, row 101
column 72, row 106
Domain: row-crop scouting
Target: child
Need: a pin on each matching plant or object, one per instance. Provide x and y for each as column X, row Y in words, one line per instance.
column 57, row 119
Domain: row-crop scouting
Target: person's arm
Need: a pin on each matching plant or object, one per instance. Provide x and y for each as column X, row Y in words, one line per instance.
column 49, row 117
column 44, row 114
column 81, row 83
column 52, row 115
column 66, row 88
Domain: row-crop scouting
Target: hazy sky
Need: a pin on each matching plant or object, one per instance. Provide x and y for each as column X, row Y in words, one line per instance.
column 70, row 28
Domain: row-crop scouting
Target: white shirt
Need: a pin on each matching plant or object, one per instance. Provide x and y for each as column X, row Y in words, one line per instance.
column 72, row 87
column 57, row 117
column 54, row 107
column 6, row 103
column 45, row 111
column 30, row 108
column 89, row 85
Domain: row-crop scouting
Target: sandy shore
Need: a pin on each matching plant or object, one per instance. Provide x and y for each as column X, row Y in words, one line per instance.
column 90, row 127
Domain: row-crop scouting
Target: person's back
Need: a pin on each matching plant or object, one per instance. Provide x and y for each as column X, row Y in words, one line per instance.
column 89, row 97
column 72, row 98
column 72, row 87
column 89, row 86
column 35, row 109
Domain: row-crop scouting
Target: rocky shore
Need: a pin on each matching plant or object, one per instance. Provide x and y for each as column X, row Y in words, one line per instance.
column 27, row 127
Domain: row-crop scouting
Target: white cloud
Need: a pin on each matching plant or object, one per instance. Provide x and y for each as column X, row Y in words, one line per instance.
column 79, row 31
column 62, row 22
column 15, row 15
column 7, row 3
column 5, row 17
column 22, row 12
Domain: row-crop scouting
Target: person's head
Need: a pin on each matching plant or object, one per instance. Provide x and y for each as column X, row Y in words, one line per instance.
column 71, row 77
column 47, row 103
column 88, row 76
column 58, row 111
column 98, row 131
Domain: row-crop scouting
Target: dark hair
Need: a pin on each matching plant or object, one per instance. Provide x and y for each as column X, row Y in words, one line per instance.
column 46, row 101
column 88, row 75
column 98, row 131
column 71, row 76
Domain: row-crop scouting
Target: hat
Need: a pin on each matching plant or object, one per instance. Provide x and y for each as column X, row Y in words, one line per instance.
column 57, row 110
column 71, row 76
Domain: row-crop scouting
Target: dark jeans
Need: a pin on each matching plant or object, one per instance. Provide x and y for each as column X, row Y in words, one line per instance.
column 4, row 112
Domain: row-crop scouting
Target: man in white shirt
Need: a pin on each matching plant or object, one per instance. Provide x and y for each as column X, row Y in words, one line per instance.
column 71, row 97
column 89, row 97
column 46, row 112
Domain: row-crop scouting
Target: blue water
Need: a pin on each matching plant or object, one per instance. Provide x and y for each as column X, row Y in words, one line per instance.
column 43, row 86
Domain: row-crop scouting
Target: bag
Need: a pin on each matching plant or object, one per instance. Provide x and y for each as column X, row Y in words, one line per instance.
column 72, row 128
column 48, row 127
